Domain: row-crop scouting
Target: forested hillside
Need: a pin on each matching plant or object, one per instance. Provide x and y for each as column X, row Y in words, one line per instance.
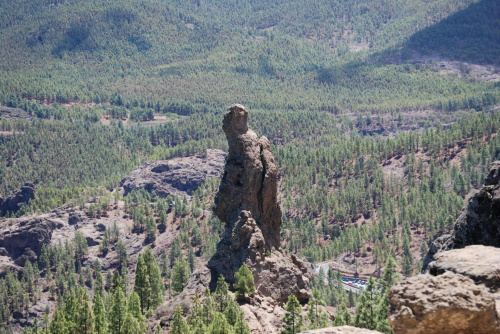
column 382, row 116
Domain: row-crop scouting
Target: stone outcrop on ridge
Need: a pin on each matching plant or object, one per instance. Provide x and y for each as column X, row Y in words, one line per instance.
column 177, row 176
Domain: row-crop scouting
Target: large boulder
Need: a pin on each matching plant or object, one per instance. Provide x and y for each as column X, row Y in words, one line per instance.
column 480, row 263
column 177, row 176
column 449, row 303
column 248, row 205
column 460, row 295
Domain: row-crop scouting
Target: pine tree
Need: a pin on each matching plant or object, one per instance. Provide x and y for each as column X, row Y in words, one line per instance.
column 220, row 325
column 70, row 311
column 366, row 309
column 142, row 284
column 316, row 315
column 84, row 317
column 208, row 307
column 118, row 311
column 293, row 321
column 196, row 321
column 245, row 283
column 390, row 275
column 117, row 282
column 134, row 308
column 342, row 317
column 155, row 279
column 179, row 325
column 180, row 276
column 58, row 325
column 231, row 312
column 241, row 325
column 131, row 325
column 221, row 296
column 100, row 318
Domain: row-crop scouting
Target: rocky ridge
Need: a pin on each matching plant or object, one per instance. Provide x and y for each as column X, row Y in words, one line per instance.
column 177, row 176
column 479, row 222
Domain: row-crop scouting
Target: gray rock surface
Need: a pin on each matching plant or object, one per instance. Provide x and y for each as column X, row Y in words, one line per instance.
column 247, row 203
column 13, row 113
column 341, row 330
column 17, row 199
column 177, row 176
column 22, row 239
column 479, row 222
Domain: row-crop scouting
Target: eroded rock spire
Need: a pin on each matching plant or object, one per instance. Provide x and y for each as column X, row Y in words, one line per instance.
column 247, row 203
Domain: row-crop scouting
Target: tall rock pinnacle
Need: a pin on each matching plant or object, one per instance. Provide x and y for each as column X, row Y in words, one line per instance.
column 247, row 203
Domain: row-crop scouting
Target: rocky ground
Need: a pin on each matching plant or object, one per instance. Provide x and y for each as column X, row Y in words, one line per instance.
column 178, row 176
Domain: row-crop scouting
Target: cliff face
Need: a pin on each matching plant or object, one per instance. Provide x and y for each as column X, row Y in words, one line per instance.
column 479, row 222
column 247, row 203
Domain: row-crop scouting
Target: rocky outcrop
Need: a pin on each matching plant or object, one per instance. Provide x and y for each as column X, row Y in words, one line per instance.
column 449, row 303
column 460, row 295
column 13, row 113
column 18, row 198
column 247, row 203
column 341, row 330
column 479, row 263
column 479, row 222
column 22, row 239
column 178, row 176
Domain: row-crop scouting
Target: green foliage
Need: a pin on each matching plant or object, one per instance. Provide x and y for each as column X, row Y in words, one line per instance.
column 317, row 316
column 293, row 321
column 180, row 276
column 342, row 317
column 179, row 325
column 244, row 282
column 118, row 312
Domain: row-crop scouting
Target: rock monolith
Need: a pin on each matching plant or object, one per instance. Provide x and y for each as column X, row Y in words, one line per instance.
column 248, row 205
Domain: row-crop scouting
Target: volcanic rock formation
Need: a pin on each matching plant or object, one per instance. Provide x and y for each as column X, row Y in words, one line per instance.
column 177, row 176
column 13, row 113
column 460, row 296
column 479, row 222
column 247, row 203
column 17, row 199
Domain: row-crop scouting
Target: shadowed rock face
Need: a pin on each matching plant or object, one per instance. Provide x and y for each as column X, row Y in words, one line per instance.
column 247, row 203
column 17, row 199
column 479, row 222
